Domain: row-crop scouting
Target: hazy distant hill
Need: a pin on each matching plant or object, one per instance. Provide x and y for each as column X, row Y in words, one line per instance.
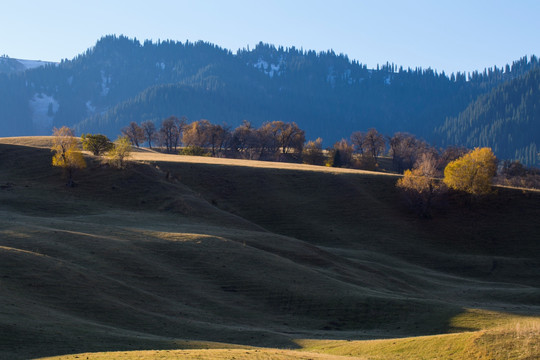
column 9, row 65
column 506, row 119
column 121, row 80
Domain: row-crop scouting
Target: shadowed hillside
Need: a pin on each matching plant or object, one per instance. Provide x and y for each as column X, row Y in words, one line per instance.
column 165, row 252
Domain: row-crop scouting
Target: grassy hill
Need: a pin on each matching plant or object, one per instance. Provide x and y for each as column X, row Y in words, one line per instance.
column 196, row 255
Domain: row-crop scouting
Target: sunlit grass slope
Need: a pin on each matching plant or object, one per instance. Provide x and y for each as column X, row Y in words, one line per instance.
column 519, row 341
column 165, row 252
column 214, row 354
column 516, row 341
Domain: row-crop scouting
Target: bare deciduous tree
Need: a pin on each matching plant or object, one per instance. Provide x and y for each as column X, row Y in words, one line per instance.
column 373, row 144
column 406, row 149
column 244, row 140
column 134, row 133
column 219, row 139
column 357, row 140
column 150, row 131
column 170, row 132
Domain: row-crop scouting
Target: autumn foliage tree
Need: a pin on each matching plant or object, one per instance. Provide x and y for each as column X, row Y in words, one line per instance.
column 120, row 152
column 421, row 186
column 197, row 134
column 313, row 153
column 66, row 152
column 473, row 172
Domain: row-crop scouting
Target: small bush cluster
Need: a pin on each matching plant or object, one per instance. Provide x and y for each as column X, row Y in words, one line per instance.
column 194, row 151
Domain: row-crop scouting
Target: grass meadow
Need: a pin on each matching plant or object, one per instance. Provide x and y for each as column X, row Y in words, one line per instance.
column 204, row 258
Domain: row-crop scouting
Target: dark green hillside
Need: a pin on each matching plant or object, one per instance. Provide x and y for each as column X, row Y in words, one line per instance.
column 160, row 252
column 507, row 119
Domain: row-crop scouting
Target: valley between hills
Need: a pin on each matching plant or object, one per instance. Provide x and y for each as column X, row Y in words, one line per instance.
column 206, row 258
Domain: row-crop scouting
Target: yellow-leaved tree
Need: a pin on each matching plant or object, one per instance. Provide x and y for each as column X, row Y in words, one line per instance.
column 66, row 152
column 473, row 172
column 120, row 152
column 313, row 153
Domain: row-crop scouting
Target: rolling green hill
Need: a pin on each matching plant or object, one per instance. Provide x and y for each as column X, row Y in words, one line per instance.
column 166, row 253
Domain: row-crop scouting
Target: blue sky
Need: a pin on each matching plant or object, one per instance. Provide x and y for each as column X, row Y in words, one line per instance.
column 445, row 35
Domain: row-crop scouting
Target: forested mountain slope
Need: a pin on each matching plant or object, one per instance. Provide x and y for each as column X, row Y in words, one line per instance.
column 121, row 80
column 507, row 119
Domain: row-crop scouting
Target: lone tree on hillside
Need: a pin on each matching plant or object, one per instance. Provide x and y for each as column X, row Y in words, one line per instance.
column 120, row 152
column 473, row 172
column 66, row 152
column 420, row 185
column 98, row 144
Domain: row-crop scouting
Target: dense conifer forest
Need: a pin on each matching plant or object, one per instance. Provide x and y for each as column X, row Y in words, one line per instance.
column 507, row 119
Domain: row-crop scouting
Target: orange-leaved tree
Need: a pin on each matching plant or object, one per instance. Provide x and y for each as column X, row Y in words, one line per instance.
column 420, row 185
column 473, row 172
column 66, row 152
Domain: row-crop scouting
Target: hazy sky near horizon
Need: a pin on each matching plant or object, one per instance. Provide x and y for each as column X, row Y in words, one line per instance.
column 450, row 36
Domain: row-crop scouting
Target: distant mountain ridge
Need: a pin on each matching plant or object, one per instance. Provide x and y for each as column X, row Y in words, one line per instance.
column 121, row 80
column 10, row 65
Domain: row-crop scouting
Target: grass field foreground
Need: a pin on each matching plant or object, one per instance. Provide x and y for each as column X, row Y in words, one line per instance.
column 511, row 342
column 169, row 255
